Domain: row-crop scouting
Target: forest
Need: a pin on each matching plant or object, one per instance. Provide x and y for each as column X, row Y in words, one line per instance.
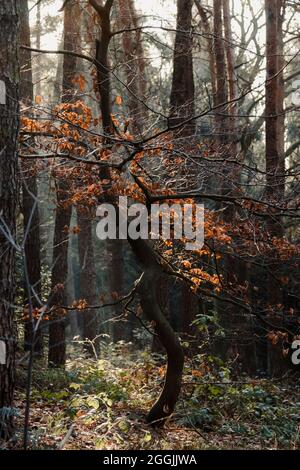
column 149, row 225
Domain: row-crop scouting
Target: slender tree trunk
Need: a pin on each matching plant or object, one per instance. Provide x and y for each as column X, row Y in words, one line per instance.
column 38, row 61
column 141, row 64
column 87, row 279
column 274, row 158
column 57, row 343
column 29, row 195
column 72, row 42
column 165, row 404
column 103, row 69
column 121, row 327
column 133, row 64
column 209, row 39
column 274, row 105
column 182, row 108
column 221, row 92
column 232, row 80
column 281, row 115
column 9, row 128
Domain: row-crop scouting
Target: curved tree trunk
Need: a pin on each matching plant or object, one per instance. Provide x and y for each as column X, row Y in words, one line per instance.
column 165, row 405
column 166, row 402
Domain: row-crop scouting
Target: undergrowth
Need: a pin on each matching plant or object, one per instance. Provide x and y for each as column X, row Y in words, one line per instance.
column 102, row 404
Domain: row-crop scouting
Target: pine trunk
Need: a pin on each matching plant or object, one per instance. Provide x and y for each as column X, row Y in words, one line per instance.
column 9, row 128
column 32, row 339
column 183, row 89
column 57, row 341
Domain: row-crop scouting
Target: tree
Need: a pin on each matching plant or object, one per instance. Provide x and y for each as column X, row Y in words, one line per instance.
column 243, row 247
column 57, row 342
column 133, row 63
column 220, row 61
column 232, row 79
column 275, row 165
column 29, row 199
column 209, row 39
column 9, row 129
column 274, row 106
column 87, row 276
column 165, row 404
column 183, row 89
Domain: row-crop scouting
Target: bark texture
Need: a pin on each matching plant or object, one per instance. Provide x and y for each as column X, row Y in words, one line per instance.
column 29, row 197
column 167, row 400
column 183, row 89
column 87, row 279
column 9, row 128
column 57, row 342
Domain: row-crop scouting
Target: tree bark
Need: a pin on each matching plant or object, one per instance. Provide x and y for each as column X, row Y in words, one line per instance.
column 87, row 276
column 72, row 42
column 232, row 80
column 183, row 89
column 221, row 91
column 212, row 64
column 274, row 105
column 29, row 197
column 57, row 343
column 9, row 129
column 166, row 402
column 38, row 61
column 275, row 181
column 133, row 64
column 103, row 70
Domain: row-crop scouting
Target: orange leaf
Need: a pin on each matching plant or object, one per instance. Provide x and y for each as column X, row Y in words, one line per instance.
column 118, row 100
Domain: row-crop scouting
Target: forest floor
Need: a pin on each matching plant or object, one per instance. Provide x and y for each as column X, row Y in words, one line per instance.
column 102, row 404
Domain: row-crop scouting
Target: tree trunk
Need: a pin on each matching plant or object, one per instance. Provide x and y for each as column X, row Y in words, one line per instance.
column 232, row 81
column 87, row 279
column 29, row 195
column 9, row 128
column 139, row 50
column 103, row 70
column 104, row 89
column 210, row 44
column 57, row 346
column 38, row 61
column 183, row 90
column 165, row 404
column 133, row 64
column 221, row 91
column 274, row 105
column 72, row 42
column 274, row 159
column 120, row 328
